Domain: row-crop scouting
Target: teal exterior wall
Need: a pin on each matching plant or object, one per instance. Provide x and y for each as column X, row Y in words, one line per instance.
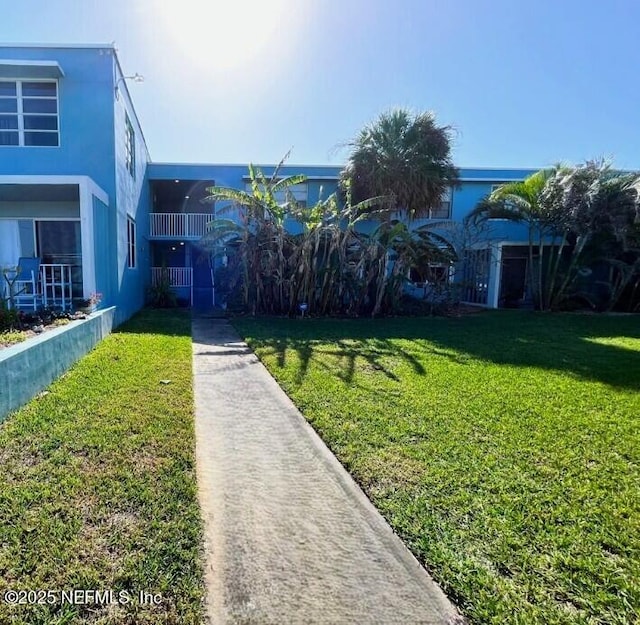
column 132, row 200
column 92, row 137
column 29, row 367
column 85, row 111
column 103, row 237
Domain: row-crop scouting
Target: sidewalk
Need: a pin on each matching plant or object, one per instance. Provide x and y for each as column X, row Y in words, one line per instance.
column 289, row 537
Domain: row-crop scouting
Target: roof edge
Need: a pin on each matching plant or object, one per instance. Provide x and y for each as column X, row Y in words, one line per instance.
column 88, row 46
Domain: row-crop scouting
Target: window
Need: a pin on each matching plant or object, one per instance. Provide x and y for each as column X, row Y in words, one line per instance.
column 299, row 193
column 59, row 242
column 131, row 243
column 433, row 273
column 130, row 147
column 29, row 113
column 444, row 210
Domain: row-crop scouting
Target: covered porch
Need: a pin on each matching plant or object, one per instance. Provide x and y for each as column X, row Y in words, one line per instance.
column 47, row 251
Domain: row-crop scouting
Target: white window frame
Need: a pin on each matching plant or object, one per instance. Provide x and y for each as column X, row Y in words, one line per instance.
column 447, row 200
column 129, row 146
column 20, row 112
column 132, row 256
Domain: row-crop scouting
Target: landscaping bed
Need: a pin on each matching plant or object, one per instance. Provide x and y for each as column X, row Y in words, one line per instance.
column 502, row 447
column 98, row 487
column 16, row 327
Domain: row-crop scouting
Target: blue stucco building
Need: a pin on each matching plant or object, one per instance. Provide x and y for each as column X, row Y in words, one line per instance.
column 79, row 191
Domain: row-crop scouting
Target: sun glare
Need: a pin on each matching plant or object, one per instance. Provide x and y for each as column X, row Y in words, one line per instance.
column 224, row 35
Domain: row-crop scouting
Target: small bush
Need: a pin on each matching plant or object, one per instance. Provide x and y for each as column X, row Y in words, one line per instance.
column 11, row 337
column 8, row 318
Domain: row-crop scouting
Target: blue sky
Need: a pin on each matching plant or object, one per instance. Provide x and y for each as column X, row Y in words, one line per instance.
column 524, row 84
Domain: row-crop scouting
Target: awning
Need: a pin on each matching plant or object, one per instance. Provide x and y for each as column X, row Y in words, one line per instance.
column 14, row 68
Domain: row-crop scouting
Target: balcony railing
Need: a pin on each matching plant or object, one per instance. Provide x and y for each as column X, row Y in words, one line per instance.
column 53, row 287
column 178, row 225
column 57, row 285
column 178, row 277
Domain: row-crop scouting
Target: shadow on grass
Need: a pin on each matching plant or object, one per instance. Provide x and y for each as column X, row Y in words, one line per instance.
column 164, row 321
column 554, row 342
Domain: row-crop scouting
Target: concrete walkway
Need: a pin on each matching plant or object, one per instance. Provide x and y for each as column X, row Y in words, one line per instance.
column 290, row 538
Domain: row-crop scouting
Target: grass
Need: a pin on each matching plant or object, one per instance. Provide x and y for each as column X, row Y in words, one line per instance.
column 502, row 447
column 98, row 487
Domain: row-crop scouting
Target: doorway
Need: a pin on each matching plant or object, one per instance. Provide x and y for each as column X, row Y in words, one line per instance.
column 203, row 294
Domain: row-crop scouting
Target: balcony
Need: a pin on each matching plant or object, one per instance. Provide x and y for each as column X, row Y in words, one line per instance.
column 176, row 277
column 178, row 225
column 54, row 287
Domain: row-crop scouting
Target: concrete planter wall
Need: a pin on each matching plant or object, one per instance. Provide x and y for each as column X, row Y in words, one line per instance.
column 28, row 368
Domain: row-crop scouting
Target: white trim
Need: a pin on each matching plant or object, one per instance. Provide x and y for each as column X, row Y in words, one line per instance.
column 91, row 46
column 132, row 243
column 307, row 176
column 79, row 180
column 20, row 114
column 87, row 239
column 515, row 243
column 245, row 165
column 497, row 180
column 495, row 276
column 40, row 218
column 499, row 168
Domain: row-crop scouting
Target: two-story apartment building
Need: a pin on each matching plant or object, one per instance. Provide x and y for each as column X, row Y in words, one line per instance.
column 79, row 191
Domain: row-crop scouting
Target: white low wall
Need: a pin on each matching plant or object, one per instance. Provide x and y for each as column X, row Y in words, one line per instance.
column 28, row 368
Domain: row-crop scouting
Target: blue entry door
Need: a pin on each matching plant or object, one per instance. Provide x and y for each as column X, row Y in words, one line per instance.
column 202, row 279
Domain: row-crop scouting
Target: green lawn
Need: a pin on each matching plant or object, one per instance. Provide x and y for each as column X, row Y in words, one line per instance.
column 504, row 448
column 98, row 487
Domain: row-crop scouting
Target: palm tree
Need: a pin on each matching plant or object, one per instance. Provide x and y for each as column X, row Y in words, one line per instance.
column 330, row 265
column 572, row 215
column 522, row 202
column 260, row 235
column 404, row 157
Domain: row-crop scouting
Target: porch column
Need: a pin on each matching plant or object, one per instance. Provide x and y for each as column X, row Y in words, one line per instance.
column 495, row 271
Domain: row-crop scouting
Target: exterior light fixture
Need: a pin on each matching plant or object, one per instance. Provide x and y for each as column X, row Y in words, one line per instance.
column 136, row 78
column 181, row 242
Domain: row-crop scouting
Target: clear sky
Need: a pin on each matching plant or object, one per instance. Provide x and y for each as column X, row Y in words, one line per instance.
column 524, row 83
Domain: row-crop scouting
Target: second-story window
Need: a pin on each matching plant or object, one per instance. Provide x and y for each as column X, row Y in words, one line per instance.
column 444, row 210
column 130, row 147
column 29, row 113
column 131, row 243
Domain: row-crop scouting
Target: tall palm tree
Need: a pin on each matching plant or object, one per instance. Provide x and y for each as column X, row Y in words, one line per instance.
column 404, row 157
column 522, row 202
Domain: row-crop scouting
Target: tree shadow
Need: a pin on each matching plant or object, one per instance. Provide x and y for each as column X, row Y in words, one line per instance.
column 581, row 345
column 163, row 321
column 373, row 353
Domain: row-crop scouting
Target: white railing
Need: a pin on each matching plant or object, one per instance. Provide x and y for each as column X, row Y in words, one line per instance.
column 179, row 277
column 53, row 287
column 56, row 285
column 178, row 225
